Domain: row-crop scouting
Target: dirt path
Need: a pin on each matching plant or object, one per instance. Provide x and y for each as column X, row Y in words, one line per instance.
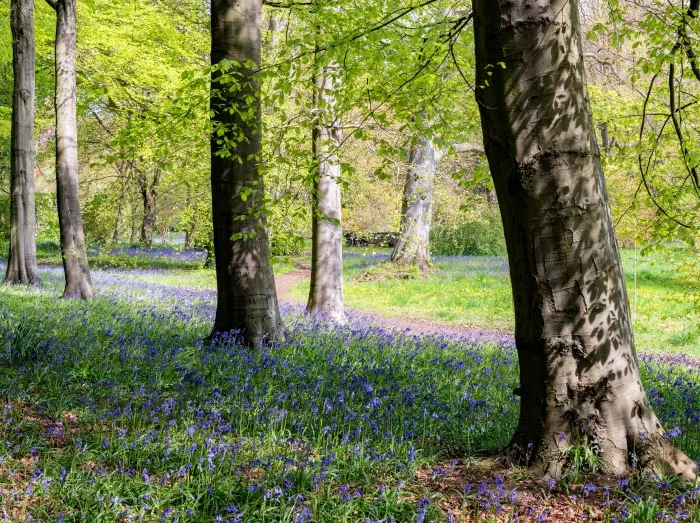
column 285, row 283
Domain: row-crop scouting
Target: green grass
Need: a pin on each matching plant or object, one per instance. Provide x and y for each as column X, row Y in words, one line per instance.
column 475, row 292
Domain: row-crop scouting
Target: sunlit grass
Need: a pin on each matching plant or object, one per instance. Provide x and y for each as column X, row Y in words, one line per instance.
column 475, row 292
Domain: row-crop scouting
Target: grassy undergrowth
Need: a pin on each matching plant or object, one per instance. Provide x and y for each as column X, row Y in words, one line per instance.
column 475, row 292
column 114, row 410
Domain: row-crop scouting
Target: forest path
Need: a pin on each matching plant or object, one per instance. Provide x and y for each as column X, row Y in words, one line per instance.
column 416, row 325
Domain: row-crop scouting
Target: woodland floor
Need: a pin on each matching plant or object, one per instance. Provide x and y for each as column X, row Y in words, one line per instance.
column 410, row 324
column 431, row 402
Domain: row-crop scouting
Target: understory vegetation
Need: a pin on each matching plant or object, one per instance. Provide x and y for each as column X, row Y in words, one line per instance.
column 116, row 409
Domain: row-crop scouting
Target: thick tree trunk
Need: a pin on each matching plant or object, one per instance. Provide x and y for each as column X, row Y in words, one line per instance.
column 326, row 292
column 413, row 246
column 21, row 265
column 75, row 262
column 246, row 294
column 579, row 375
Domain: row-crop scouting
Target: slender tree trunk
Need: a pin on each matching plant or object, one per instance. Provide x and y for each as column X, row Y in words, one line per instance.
column 135, row 225
column 413, row 245
column 149, row 193
column 579, row 375
column 192, row 225
column 246, row 294
column 120, row 211
column 326, row 292
column 75, row 262
column 21, row 265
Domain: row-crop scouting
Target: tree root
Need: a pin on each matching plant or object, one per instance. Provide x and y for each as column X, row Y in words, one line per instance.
column 654, row 455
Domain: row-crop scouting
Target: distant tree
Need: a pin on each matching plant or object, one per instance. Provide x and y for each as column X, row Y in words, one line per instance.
column 73, row 249
column 148, row 188
column 579, row 373
column 246, row 294
column 413, row 245
column 22, row 266
column 326, row 286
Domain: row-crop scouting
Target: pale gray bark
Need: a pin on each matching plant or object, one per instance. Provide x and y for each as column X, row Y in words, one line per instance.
column 247, row 298
column 22, row 265
column 73, row 250
column 413, row 246
column 578, row 366
column 326, row 291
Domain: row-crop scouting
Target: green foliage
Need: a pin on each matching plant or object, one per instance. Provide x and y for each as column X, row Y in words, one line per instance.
column 46, row 218
column 19, row 341
column 286, row 244
column 469, row 238
column 579, row 460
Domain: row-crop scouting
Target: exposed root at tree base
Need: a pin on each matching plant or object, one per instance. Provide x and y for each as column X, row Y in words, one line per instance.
column 652, row 455
column 490, row 489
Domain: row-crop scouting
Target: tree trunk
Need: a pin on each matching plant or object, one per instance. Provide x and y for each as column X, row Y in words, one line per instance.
column 326, row 292
column 191, row 227
column 75, row 262
column 189, row 235
column 116, row 234
column 413, row 246
column 579, row 375
column 246, row 294
column 149, row 192
column 21, row 265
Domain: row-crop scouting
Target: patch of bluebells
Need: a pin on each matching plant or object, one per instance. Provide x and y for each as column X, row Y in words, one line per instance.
column 336, row 419
column 166, row 252
column 323, row 415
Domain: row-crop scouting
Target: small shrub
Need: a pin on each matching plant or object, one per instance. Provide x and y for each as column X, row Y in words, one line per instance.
column 387, row 271
column 471, row 238
column 286, row 244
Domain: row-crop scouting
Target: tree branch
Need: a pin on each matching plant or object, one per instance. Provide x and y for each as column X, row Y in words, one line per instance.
column 52, row 3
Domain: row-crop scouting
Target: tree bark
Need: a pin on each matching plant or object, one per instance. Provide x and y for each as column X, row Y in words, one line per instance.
column 191, row 227
column 413, row 246
column 326, row 291
column 149, row 193
column 579, row 375
column 21, row 265
column 246, row 294
column 73, row 250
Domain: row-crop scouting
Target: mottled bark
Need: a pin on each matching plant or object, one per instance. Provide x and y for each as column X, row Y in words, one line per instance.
column 246, row 294
column 579, row 374
column 21, row 265
column 73, row 250
column 413, row 246
column 326, row 291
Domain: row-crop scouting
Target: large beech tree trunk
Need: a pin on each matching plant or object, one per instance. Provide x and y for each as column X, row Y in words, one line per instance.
column 75, row 262
column 579, row 375
column 413, row 246
column 326, row 291
column 246, row 294
column 21, row 265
